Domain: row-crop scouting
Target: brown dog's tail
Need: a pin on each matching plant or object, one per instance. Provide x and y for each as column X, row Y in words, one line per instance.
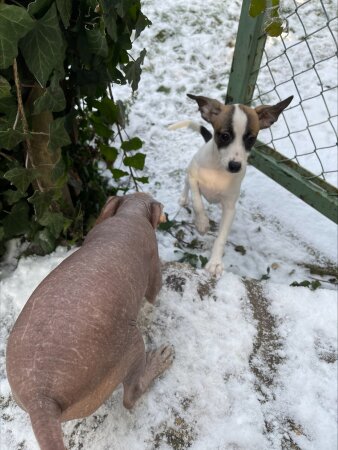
column 193, row 126
column 45, row 418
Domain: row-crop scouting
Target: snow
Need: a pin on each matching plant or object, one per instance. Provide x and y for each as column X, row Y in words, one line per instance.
column 256, row 361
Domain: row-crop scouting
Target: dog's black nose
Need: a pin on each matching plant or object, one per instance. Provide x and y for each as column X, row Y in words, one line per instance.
column 234, row 166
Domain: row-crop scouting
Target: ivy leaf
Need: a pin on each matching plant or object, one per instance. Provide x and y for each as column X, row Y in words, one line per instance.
column 122, row 6
column 141, row 24
column 43, row 47
column 8, row 107
column 5, row 88
column 13, row 196
column 108, row 109
column 275, row 28
column 39, row 7
column 45, row 240
column 133, row 70
column 124, row 41
column 144, row 180
column 58, row 75
column 59, row 173
column 97, row 42
column 10, row 138
column 9, row 110
column 117, row 173
column 109, row 17
column 15, row 22
column 17, row 222
column 58, row 136
column 109, row 153
column 132, row 144
column 135, row 161
column 53, row 99
column 21, row 177
column 313, row 285
column 100, row 128
column 41, row 202
column 189, row 258
column 165, row 226
column 65, row 11
column 55, row 222
column 257, row 7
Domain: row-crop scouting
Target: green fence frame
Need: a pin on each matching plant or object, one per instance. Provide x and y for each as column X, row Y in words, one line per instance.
column 247, row 58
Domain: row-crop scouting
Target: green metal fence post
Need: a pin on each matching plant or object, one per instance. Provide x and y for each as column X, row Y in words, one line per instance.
column 247, row 58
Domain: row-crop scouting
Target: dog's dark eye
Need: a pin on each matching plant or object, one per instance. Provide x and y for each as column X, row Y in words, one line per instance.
column 225, row 137
column 249, row 141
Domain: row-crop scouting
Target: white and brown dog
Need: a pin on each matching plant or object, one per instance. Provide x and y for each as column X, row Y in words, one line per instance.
column 218, row 168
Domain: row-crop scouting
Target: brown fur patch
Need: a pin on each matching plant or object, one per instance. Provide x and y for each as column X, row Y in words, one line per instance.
column 223, row 121
column 253, row 121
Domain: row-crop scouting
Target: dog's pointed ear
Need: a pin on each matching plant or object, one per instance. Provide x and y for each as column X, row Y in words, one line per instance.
column 267, row 115
column 209, row 108
column 155, row 213
column 109, row 209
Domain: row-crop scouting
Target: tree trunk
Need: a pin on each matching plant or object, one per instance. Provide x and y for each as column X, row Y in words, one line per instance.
column 41, row 157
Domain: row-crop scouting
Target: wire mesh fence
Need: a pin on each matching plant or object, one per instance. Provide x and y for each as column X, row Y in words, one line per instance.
column 303, row 63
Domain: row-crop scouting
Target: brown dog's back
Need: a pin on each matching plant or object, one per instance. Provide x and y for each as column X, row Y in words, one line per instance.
column 70, row 345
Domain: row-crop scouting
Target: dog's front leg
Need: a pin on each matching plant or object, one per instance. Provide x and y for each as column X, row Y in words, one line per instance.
column 215, row 265
column 184, row 196
column 201, row 219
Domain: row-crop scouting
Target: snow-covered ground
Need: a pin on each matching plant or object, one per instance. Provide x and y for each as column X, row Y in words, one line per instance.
column 256, row 359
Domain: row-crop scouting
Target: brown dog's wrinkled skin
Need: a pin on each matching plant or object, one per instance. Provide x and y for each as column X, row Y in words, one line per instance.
column 76, row 338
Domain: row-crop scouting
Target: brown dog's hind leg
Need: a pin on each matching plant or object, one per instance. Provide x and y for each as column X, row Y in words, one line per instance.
column 146, row 367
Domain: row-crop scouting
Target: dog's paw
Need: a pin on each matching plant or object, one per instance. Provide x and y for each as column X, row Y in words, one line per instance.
column 215, row 267
column 202, row 224
column 159, row 360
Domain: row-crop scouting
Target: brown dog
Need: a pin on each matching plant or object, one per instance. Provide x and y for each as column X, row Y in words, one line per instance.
column 76, row 339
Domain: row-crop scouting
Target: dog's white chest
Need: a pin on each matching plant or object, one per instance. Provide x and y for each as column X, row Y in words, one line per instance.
column 215, row 185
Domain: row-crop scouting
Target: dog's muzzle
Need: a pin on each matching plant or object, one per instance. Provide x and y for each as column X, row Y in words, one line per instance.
column 234, row 166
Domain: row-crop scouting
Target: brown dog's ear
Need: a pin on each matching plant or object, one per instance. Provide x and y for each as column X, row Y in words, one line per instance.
column 156, row 213
column 109, row 209
column 208, row 107
column 267, row 115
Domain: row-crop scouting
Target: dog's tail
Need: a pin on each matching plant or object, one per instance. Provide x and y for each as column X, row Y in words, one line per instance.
column 193, row 126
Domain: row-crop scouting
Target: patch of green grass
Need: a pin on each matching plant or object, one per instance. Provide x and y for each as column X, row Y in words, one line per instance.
column 164, row 89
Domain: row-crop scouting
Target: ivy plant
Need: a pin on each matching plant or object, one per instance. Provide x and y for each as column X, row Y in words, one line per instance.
column 61, row 129
column 274, row 24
